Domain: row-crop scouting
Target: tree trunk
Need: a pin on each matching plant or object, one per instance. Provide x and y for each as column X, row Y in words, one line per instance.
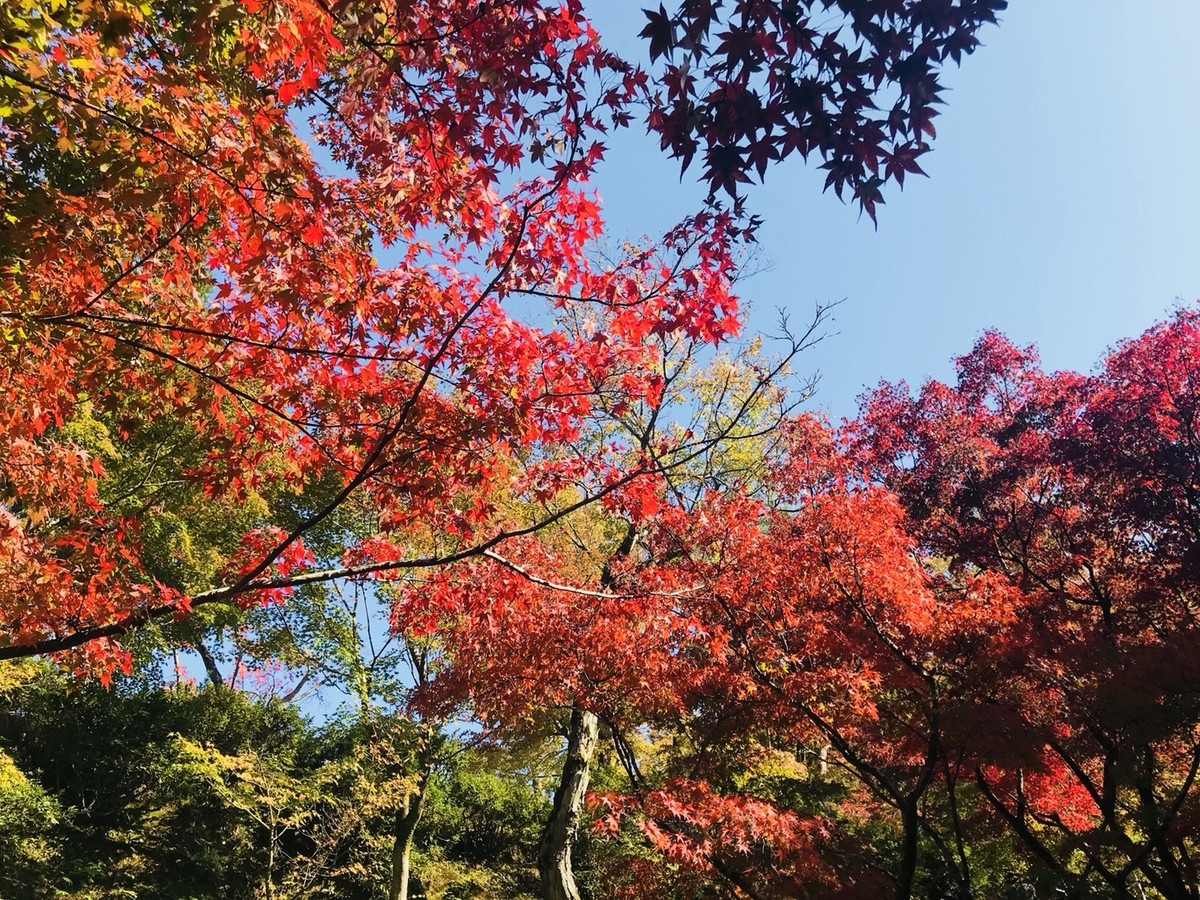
column 406, row 829
column 909, row 848
column 554, row 857
column 210, row 666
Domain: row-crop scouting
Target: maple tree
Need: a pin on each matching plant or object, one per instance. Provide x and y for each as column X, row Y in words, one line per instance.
column 1075, row 491
column 230, row 285
column 979, row 599
column 557, row 631
column 753, row 83
column 809, row 627
column 173, row 251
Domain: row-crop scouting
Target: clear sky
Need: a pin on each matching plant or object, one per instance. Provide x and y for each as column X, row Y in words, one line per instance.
column 1062, row 207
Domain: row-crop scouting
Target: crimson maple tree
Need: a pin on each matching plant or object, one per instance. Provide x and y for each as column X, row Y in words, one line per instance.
column 813, row 629
column 211, row 272
column 979, row 599
column 1076, row 492
column 753, row 83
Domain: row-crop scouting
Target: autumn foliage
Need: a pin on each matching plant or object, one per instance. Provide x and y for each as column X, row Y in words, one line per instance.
column 174, row 251
column 296, row 292
column 294, row 230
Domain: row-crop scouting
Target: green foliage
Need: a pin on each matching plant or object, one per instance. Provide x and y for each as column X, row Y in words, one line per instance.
column 173, row 792
column 480, row 833
column 146, row 811
column 27, row 819
column 186, row 535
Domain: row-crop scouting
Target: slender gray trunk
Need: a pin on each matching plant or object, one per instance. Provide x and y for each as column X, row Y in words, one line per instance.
column 406, row 828
column 558, row 840
column 583, row 734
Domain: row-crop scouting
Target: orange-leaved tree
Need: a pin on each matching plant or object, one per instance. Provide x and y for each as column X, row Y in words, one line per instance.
column 555, row 627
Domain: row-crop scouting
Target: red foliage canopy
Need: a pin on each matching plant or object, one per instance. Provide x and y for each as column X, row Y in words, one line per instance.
column 1078, row 492
column 173, row 252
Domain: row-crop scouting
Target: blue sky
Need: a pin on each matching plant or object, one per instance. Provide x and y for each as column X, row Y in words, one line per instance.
column 1062, row 204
